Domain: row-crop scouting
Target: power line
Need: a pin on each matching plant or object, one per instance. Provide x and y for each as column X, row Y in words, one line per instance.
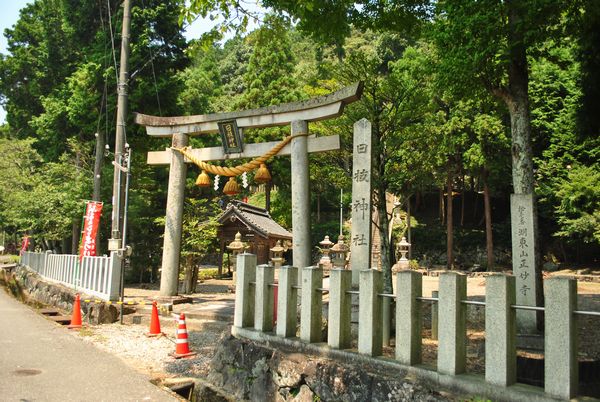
column 153, row 72
column 112, row 40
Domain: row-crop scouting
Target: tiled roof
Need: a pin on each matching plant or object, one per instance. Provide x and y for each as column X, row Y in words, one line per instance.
column 255, row 218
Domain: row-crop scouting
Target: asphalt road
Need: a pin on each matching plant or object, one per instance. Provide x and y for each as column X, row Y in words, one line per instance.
column 41, row 361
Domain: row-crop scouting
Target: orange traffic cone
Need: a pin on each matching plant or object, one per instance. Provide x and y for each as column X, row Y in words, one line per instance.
column 182, row 348
column 154, row 322
column 76, row 317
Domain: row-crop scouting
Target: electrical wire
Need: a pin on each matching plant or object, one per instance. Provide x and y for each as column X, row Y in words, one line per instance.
column 152, row 62
column 112, row 40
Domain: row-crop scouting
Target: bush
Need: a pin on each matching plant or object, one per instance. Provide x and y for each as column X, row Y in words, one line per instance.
column 211, row 273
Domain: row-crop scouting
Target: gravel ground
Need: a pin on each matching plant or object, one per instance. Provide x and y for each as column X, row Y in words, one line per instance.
column 151, row 355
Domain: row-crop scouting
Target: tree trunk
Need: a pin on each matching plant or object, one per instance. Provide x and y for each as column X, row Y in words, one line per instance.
column 318, row 206
column 384, row 245
column 517, row 101
column 194, row 278
column 462, row 203
column 408, row 231
column 442, row 208
column 489, row 241
column 380, row 187
column 75, row 234
column 475, row 203
column 449, row 224
column 187, row 281
column 268, row 196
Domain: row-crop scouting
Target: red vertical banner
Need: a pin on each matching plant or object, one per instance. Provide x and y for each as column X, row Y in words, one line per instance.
column 91, row 221
column 24, row 244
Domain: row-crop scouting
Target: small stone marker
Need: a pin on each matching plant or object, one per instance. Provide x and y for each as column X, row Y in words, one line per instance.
column 524, row 259
column 360, row 240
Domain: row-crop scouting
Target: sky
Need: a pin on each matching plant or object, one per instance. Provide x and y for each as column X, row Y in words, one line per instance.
column 9, row 14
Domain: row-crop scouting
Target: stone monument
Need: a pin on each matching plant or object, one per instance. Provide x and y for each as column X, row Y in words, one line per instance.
column 360, row 240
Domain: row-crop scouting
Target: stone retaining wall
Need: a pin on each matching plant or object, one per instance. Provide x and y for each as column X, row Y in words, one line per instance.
column 257, row 372
column 33, row 288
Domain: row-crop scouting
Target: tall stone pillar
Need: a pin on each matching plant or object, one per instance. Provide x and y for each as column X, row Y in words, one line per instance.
column 360, row 241
column 300, row 197
column 525, row 258
column 174, row 219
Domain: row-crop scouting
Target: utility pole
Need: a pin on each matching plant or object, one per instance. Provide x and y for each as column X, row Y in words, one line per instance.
column 98, row 167
column 115, row 243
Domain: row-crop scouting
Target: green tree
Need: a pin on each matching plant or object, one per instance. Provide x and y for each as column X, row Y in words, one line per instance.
column 579, row 209
column 201, row 83
column 269, row 76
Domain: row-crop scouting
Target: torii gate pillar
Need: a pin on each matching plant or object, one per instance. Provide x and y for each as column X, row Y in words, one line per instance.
column 300, row 197
column 169, row 278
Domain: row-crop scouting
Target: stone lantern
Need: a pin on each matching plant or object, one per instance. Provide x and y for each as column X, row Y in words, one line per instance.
column 325, row 260
column 277, row 251
column 236, row 247
column 338, row 253
column 402, row 248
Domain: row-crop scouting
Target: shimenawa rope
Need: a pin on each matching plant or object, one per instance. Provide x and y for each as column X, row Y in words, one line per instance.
column 236, row 170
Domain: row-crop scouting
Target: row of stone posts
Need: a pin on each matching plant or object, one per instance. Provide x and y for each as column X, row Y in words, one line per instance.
column 254, row 309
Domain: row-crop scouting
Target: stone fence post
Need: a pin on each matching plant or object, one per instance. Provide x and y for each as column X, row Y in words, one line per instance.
column 263, row 308
column 244, row 291
column 340, row 305
column 452, row 349
column 560, row 339
column 370, row 317
column 287, row 302
column 311, row 309
column 500, row 330
column 409, row 286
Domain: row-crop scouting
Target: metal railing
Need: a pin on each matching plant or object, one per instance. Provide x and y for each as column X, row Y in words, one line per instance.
column 91, row 275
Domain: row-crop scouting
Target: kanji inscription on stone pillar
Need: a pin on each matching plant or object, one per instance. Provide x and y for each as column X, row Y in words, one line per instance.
column 524, row 258
column 360, row 239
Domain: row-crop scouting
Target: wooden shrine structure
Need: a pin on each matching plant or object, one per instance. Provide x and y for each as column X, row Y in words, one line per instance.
column 258, row 230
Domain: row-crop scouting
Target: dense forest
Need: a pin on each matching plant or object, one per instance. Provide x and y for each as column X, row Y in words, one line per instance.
column 447, row 84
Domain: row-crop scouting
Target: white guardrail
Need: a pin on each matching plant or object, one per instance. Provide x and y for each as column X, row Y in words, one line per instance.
column 95, row 276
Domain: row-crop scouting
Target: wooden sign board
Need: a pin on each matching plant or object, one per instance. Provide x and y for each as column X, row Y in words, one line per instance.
column 230, row 134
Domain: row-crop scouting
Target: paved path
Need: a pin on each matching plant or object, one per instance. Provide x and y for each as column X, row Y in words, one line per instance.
column 41, row 361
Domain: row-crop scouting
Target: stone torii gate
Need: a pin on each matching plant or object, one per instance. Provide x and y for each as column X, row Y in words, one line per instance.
column 296, row 114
